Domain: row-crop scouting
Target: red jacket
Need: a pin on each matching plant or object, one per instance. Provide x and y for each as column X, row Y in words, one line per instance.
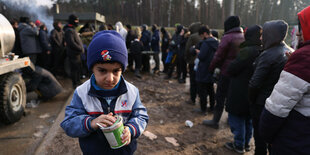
column 227, row 50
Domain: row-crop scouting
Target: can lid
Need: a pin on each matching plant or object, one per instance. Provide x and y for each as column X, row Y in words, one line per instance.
column 117, row 123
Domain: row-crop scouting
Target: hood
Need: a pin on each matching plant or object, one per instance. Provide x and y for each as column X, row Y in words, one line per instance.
column 179, row 29
column 212, row 42
column 274, row 32
column 236, row 29
column 304, row 19
column 194, row 27
column 119, row 25
column 252, row 35
column 72, row 19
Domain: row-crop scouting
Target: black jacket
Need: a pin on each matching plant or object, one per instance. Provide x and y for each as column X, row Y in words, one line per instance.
column 17, row 49
column 270, row 62
column 205, row 56
column 57, row 39
column 241, row 70
column 129, row 38
column 44, row 41
column 136, row 47
column 74, row 44
column 146, row 40
column 165, row 42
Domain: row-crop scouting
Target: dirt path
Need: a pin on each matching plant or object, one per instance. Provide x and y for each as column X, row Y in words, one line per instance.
column 165, row 102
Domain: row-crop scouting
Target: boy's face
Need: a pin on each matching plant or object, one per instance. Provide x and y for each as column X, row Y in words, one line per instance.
column 107, row 75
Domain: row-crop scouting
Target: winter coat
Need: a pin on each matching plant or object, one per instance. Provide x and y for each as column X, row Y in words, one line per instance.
column 129, row 38
column 227, row 50
column 270, row 63
column 165, row 42
column 175, row 44
column 29, row 39
column 57, row 40
column 44, row 41
column 285, row 121
column 207, row 50
column 17, row 49
column 136, row 47
column 193, row 39
column 240, row 71
column 121, row 30
column 89, row 103
column 155, row 41
column 146, row 40
column 74, row 43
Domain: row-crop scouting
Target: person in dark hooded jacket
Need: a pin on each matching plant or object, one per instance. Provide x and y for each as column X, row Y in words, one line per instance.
column 45, row 58
column 57, row 42
column 74, row 49
column 193, row 39
column 285, row 120
column 268, row 67
column 175, row 47
column 146, row 40
column 225, row 54
column 29, row 39
column 155, row 46
column 241, row 70
column 165, row 40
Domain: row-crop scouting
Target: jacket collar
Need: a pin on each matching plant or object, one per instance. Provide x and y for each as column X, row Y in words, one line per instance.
column 121, row 89
column 236, row 29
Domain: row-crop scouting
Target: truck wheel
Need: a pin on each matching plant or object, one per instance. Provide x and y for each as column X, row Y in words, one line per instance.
column 12, row 97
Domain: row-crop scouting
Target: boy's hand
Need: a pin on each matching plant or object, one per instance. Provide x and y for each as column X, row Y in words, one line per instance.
column 103, row 120
column 126, row 135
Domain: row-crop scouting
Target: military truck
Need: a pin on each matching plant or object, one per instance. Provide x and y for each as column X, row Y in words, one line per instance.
column 12, row 85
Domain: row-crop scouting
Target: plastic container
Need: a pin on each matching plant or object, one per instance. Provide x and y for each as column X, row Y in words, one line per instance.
column 114, row 133
column 189, row 123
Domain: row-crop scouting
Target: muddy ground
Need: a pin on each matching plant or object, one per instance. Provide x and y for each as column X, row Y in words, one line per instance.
column 166, row 104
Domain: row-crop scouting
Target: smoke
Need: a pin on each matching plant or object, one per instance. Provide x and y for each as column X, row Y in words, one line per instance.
column 36, row 8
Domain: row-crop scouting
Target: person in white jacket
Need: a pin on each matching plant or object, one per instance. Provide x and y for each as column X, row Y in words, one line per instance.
column 120, row 29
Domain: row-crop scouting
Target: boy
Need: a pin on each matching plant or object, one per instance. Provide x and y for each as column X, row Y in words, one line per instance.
column 105, row 94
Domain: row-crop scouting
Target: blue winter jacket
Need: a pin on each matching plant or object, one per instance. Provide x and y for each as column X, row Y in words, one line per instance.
column 205, row 56
column 88, row 103
column 155, row 41
column 146, row 40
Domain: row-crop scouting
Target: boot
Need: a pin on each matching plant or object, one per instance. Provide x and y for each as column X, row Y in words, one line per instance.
column 214, row 123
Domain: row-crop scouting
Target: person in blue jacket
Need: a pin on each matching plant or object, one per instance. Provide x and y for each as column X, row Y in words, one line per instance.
column 105, row 94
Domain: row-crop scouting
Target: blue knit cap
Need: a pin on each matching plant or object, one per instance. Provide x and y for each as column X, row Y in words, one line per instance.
column 107, row 46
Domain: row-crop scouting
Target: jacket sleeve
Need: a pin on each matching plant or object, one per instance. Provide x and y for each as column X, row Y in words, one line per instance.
column 71, row 41
column 286, row 94
column 237, row 65
column 261, row 71
column 188, row 46
column 77, row 121
column 204, row 51
column 139, row 118
column 220, row 54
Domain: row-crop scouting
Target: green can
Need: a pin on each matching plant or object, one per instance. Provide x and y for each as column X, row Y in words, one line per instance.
column 114, row 133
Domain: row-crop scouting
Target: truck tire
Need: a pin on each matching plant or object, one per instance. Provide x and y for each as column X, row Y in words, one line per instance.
column 12, row 97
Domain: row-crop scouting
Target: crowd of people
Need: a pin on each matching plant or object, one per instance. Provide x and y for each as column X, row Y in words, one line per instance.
column 260, row 81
